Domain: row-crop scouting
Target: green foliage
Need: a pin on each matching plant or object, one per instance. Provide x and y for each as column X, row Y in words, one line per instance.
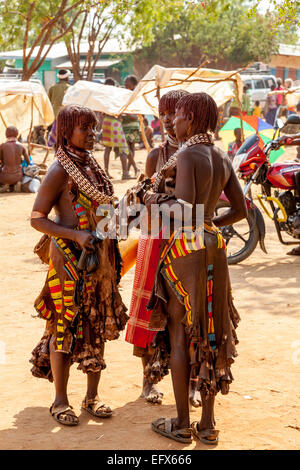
column 222, row 31
column 177, row 32
column 13, row 15
column 286, row 13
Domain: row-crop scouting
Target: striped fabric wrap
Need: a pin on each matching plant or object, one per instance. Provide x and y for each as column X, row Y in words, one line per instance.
column 43, row 310
column 180, row 244
column 71, row 261
column 211, row 329
column 60, row 334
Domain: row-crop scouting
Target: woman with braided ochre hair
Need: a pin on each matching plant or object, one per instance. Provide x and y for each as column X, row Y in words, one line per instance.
column 137, row 331
column 193, row 313
column 80, row 299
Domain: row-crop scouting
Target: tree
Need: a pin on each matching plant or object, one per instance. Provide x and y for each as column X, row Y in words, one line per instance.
column 36, row 22
column 224, row 32
column 100, row 22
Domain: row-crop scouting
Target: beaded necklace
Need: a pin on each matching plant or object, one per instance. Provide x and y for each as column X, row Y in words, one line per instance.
column 205, row 139
column 100, row 191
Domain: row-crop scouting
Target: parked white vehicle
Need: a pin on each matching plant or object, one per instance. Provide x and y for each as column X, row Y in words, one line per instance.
column 259, row 86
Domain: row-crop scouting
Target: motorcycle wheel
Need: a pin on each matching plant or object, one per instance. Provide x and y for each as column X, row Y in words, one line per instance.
column 241, row 238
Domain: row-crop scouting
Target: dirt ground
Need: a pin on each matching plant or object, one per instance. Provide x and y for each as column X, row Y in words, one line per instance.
column 262, row 409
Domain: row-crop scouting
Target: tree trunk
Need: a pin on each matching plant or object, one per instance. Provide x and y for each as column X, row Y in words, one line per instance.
column 26, row 74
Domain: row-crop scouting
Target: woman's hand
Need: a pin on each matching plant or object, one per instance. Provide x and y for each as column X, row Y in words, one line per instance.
column 85, row 240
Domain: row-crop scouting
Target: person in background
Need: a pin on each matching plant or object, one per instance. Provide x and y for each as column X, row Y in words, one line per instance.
column 113, row 138
column 131, row 126
column 288, row 83
column 257, row 109
column 246, row 101
column 271, row 107
column 298, row 147
column 155, row 124
column 11, row 153
column 235, row 145
column 279, row 87
column 56, row 95
column 57, row 92
column 221, row 121
column 148, row 132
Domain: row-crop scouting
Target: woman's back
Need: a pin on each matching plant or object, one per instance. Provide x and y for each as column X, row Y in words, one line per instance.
column 208, row 169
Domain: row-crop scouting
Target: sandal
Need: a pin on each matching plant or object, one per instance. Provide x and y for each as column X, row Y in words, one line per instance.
column 207, row 436
column 179, row 435
column 294, row 252
column 62, row 411
column 96, row 408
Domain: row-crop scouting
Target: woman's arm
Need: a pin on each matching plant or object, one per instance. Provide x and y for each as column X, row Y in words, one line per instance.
column 49, row 193
column 151, row 162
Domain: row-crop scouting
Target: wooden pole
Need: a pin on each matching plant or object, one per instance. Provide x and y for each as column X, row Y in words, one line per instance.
column 240, row 110
column 30, row 130
column 2, row 119
column 142, row 130
column 162, row 132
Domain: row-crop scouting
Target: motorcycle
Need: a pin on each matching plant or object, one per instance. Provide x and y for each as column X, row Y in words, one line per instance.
column 278, row 197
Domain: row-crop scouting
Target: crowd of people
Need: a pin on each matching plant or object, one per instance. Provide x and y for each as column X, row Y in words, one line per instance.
column 276, row 105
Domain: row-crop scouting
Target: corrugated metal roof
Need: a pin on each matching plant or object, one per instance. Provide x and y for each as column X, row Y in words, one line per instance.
column 101, row 63
column 289, row 49
column 59, row 50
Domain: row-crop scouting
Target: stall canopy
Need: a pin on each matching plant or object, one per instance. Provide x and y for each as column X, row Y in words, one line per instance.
column 104, row 98
column 220, row 85
column 23, row 105
column 158, row 81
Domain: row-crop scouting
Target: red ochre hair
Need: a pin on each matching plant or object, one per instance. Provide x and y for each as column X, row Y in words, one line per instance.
column 169, row 100
column 68, row 118
column 204, row 109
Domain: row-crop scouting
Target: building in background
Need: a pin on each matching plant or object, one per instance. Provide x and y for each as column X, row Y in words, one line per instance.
column 286, row 63
column 115, row 61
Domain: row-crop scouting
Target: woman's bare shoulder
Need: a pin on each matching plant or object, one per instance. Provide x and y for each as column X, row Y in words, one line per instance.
column 56, row 174
column 151, row 161
column 153, row 154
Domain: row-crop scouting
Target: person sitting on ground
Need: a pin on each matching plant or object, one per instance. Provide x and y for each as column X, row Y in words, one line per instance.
column 113, row 138
column 11, row 153
column 235, row 145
